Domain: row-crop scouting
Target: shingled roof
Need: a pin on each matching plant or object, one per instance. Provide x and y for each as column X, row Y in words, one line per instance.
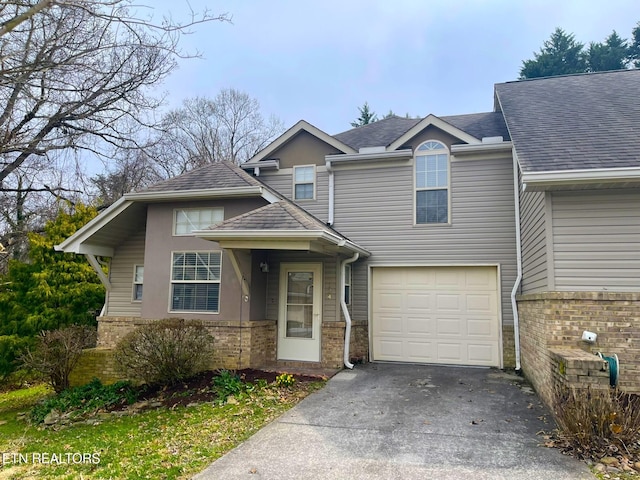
column 384, row 132
column 574, row 122
column 213, row 175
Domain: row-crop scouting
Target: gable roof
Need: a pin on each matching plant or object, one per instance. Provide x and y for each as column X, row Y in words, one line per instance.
column 396, row 130
column 283, row 222
column 300, row 126
column 574, row 122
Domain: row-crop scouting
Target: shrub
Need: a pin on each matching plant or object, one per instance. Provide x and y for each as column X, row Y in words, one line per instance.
column 11, row 347
column 165, row 352
column 87, row 398
column 227, row 383
column 594, row 423
column 57, row 353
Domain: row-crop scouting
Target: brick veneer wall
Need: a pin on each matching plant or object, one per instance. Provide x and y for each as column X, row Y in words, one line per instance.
column 95, row 363
column 553, row 320
column 508, row 347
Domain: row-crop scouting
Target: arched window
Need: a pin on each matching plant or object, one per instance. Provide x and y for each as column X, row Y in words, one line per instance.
column 432, row 183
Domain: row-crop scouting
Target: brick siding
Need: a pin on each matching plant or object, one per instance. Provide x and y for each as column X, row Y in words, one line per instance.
column 553, row 322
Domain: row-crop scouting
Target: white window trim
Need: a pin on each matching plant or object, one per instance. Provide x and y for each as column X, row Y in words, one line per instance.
column 175, row 214
column 172, row 282
column 134, row 283
column 416, row 189
column 313, row 182
column 347, row 283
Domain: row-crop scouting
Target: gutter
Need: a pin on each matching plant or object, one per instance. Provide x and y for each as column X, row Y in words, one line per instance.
column 516, row 285
column 248, row 191
column 345, row 310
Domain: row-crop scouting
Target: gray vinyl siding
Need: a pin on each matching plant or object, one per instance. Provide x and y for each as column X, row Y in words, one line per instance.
column 534, row 244
column 283, row 183
column 374, row 208
column 596, row 240
column 128, row 254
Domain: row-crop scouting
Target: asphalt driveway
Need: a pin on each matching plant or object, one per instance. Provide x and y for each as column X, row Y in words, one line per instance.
column 383, row 421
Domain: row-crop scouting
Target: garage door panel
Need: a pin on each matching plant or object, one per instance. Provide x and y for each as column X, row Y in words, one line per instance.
column 420, row 326
column 390, row 325
column 420, row 351
column 448, row 327
column 444, row 315
column 391, row 349
column 417, row 301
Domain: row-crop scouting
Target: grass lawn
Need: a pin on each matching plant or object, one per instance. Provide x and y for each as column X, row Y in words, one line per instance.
column 162, row 443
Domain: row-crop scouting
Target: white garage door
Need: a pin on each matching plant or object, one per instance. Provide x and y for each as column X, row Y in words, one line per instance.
column 446, row 315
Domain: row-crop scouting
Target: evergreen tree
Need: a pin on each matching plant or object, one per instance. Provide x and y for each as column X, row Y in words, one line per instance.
column 613, row 54
column 634, row 47
column 366, row 116
column 560, row 55
column 50, row 291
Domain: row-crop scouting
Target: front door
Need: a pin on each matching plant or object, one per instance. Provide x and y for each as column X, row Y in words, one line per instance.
column 300, row 311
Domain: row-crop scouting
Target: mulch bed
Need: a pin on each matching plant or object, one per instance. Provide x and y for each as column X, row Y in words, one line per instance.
column 198, row 389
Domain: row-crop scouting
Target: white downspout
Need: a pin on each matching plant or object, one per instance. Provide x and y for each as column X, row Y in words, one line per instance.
column 345, row 310
column 331, row 193
column 516, row 285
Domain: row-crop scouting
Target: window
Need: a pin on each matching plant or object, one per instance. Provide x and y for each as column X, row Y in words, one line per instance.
column 138, row 277
column 186, row 220
column 304, row 182
column 432, row 183
column 347, row 284
column 195, row 282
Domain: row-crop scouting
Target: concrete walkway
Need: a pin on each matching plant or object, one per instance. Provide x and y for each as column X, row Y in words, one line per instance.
column 383, row 421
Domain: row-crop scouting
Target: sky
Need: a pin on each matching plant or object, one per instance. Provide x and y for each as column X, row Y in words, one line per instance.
column 321, row 60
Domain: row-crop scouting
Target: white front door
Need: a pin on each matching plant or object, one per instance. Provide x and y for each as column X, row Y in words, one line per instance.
column 300, row 312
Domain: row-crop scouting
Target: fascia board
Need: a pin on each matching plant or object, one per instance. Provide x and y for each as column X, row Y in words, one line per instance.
column 436, row 122
column 204, row 193
column 594, row 175
column 73, row 243
column 460, row 150
column 369, row 157
column 289, row 134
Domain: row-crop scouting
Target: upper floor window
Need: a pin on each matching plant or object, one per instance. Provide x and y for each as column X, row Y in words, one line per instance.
column 347, row 284
column 304, row 179
column 432, row 183
column 186, row 220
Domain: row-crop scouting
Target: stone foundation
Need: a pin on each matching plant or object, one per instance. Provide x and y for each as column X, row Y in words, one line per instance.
column 555, row 320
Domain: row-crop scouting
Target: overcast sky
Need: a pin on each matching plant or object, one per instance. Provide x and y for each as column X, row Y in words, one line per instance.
column 320, row 60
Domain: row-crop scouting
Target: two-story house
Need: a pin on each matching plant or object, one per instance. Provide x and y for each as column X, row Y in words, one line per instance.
column 408, row 240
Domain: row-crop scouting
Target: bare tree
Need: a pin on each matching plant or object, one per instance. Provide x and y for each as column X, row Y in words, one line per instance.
column 75, row 80
column 228, row 127
column 133, row 171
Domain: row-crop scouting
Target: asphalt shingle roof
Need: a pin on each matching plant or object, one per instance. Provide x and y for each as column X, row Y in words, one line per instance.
column 213, row 175
column 377, row 134
column 574, row 122
column 384, row 132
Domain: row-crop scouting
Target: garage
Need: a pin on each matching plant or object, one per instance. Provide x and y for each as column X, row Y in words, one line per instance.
column 443, row 315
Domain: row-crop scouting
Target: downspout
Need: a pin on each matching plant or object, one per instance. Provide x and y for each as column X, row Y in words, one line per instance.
column 345, row 310
column 516, row 285
column 331, row 193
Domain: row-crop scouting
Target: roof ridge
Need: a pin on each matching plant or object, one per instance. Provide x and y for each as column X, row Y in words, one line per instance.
column 566, row 75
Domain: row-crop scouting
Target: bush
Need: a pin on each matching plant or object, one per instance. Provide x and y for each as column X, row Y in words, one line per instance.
column 597, row 423
column 11, row 347
column 87, row 398
column 165, row 352
column 57, row 353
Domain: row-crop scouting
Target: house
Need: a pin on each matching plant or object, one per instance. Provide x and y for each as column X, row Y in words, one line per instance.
column 485, row 239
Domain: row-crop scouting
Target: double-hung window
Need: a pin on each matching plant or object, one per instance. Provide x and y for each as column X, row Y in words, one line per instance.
column 432, row 183
column 195, row 282
column 347, row 284
column 138, row 278
column 304, row 180
column 186, row 220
